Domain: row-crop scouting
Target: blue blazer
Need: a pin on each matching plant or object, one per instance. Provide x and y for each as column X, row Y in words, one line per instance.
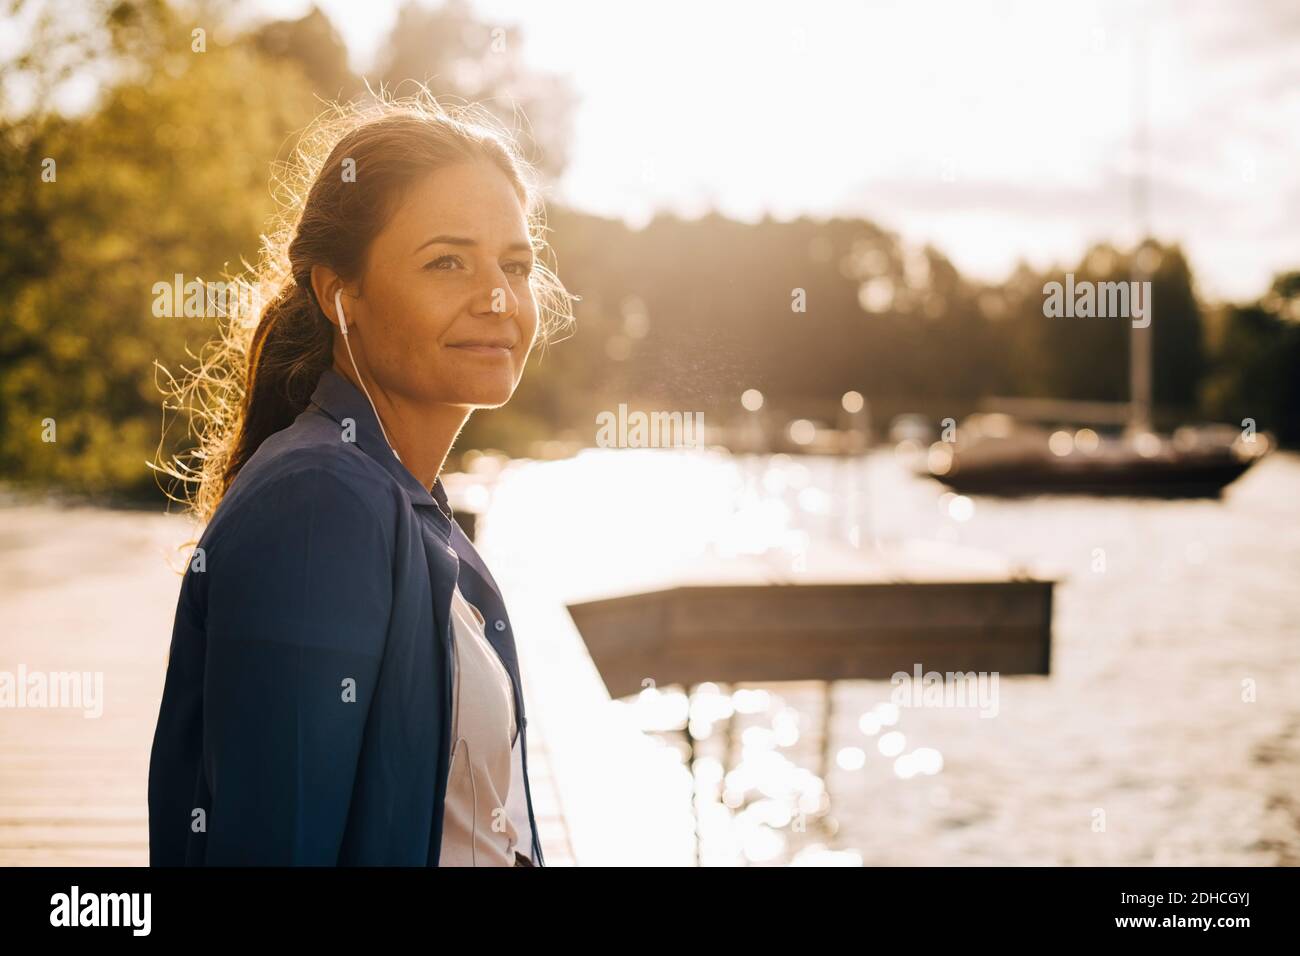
column 306, row 714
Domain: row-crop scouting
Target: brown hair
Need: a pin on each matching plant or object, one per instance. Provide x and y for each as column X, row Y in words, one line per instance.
column 255, row 381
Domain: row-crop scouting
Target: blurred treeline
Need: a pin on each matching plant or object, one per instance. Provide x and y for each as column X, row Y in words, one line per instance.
column 164, row 169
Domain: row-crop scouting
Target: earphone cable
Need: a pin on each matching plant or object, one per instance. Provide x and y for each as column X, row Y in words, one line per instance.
column 343, row 326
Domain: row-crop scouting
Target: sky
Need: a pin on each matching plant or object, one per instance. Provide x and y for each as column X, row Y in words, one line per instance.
column 997, row 130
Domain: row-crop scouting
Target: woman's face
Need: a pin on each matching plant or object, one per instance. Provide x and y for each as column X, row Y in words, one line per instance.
column 445, row 308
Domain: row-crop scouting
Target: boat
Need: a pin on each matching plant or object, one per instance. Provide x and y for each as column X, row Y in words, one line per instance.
column 1046, row 446
column 993, row 453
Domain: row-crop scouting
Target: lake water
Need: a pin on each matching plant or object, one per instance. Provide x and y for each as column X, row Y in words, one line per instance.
column 1167, row 733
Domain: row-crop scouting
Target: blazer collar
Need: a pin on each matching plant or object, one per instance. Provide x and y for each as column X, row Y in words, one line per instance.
column 340, row 399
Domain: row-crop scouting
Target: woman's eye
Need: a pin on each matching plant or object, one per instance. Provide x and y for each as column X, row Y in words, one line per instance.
column 520, row 268
column 443, row 263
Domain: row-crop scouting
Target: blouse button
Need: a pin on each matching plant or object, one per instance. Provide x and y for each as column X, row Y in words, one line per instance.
column 500, row 625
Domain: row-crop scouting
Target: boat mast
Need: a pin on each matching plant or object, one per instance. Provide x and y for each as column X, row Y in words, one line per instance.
column 1139, row 352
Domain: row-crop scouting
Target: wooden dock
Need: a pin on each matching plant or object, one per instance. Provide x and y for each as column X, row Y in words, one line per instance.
column 91, row 591
column 793, row 632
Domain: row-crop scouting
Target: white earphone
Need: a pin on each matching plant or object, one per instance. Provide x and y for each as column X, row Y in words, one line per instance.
column 343, row 327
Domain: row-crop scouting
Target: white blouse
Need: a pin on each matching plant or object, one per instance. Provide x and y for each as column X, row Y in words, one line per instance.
column 477, row 829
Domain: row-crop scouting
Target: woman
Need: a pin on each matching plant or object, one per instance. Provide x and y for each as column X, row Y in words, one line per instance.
column 342, row 686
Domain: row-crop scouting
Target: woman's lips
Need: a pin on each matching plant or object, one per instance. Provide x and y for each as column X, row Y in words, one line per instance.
column 484, row 349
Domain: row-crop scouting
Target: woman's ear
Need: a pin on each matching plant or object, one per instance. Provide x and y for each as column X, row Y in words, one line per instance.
column 325, row 282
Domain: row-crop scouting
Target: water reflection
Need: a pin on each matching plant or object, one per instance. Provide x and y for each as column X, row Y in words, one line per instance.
column 758, row 799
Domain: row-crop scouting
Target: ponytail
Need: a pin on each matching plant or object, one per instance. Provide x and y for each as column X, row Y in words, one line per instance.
column 291, row 349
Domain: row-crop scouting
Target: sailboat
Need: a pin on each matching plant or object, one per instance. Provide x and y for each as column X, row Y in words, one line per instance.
column 1045, row 446
column 996, row 453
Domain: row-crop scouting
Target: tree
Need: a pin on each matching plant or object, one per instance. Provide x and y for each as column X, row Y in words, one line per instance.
column 1255, row 369
column 165, row 173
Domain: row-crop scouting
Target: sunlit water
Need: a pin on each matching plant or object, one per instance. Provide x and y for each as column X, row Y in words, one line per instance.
column 1167, row 733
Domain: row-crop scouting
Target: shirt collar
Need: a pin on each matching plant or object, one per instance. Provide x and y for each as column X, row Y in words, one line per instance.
column 340, row 399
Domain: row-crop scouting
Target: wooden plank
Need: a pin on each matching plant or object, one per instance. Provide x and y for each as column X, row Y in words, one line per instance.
column 845, row 607
column 74, row 856
column 765, row 633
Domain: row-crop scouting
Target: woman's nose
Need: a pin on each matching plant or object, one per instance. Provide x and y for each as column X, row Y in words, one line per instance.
column 496, row 297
